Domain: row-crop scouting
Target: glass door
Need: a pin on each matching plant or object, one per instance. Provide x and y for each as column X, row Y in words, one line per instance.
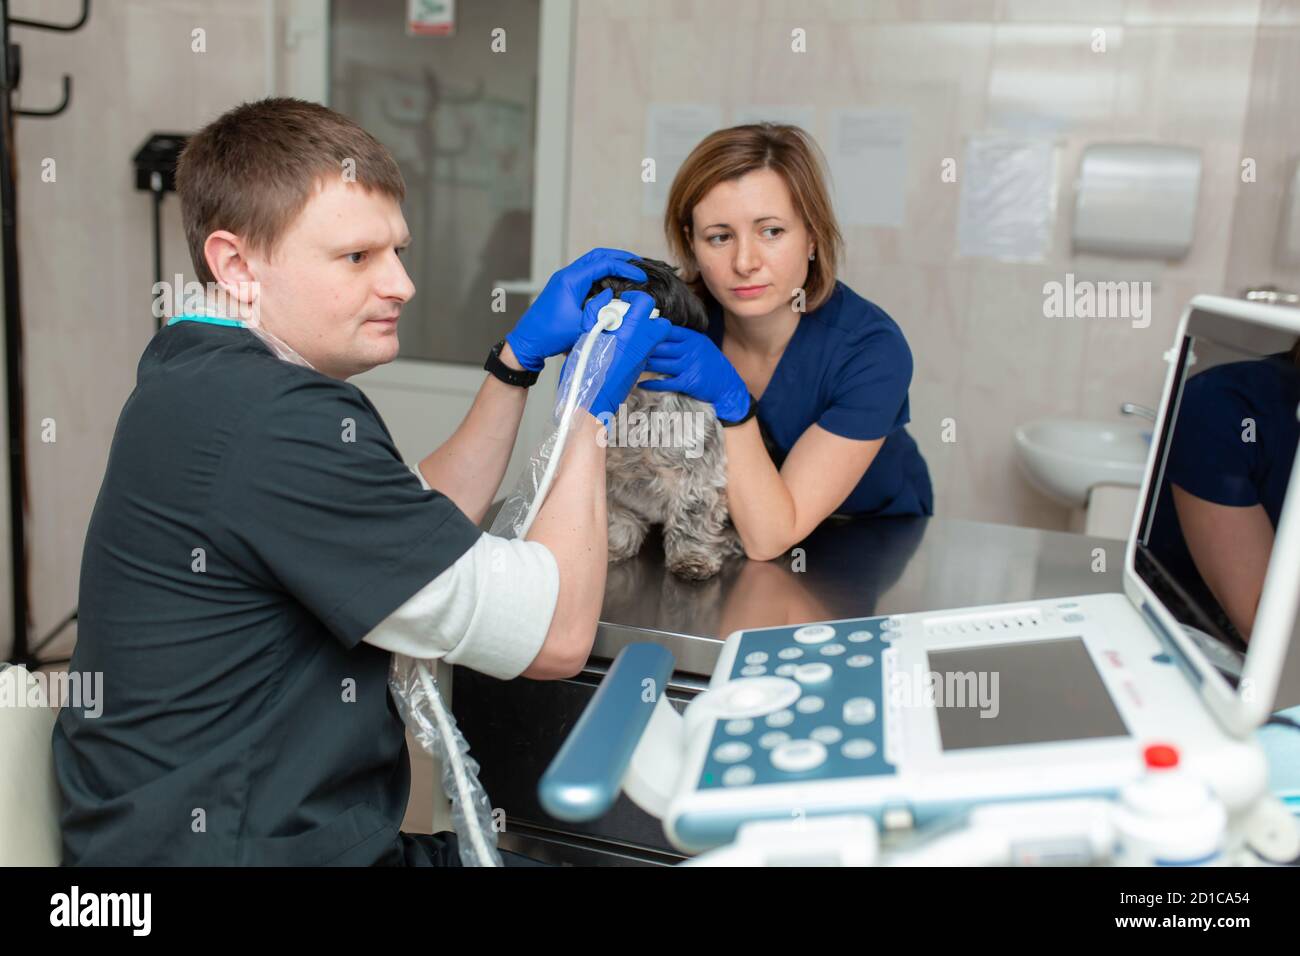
column 477, row 119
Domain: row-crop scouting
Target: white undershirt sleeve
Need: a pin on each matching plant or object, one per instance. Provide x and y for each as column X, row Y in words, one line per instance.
column 489, row 611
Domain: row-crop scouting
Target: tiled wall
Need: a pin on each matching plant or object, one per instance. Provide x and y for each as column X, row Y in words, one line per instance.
column 985, row 356
column 1221, row 75
column 1272, row 138
column 85, row 238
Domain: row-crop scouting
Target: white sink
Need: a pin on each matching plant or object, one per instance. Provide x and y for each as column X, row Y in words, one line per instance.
column 1064, row 457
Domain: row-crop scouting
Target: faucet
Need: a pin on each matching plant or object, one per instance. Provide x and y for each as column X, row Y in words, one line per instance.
column 1131, row 408
column 1271, row 294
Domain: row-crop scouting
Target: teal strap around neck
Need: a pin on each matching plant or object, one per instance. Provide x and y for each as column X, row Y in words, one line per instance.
column 208, row 319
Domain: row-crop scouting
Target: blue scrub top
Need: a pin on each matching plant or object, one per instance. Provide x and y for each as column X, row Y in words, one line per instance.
column 1209, row 458
column 847, row 368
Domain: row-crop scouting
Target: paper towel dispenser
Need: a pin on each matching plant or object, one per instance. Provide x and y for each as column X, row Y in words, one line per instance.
column 1136, row 200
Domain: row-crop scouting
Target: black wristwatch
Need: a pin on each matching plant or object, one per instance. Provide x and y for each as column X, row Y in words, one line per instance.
column 504, row 372
column 753, row 410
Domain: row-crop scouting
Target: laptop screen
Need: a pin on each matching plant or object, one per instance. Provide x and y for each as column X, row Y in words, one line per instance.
column 1207, row 527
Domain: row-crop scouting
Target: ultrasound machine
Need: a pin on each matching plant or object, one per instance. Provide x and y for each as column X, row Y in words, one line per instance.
column 1104, row 728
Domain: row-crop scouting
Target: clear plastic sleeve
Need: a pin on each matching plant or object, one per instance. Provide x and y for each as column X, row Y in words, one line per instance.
column 420, row 703
column 512, row 521
column 277, row 346
column 412, row 681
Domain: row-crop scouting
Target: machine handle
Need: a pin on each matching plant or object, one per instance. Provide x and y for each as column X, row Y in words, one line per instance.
column 584, row 779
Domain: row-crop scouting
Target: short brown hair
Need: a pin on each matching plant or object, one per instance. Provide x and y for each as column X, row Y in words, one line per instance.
column 731, row 153
column 253, row 169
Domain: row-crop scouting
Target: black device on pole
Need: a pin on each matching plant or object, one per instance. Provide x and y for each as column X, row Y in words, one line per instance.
column 10, row 76
column 155, row 172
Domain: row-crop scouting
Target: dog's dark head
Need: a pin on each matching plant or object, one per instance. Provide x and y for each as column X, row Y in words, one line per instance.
column 677, row 302
column 672, row 296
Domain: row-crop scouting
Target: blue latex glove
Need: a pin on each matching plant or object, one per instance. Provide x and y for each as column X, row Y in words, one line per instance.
column 696, row 367
column 633, row 342
column 554, row 321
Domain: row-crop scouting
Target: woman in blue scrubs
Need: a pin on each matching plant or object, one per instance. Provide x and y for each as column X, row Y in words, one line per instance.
column 789, row 347
column 1225, row 480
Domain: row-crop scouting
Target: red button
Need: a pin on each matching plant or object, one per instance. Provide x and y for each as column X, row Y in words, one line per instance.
column 1160, row 756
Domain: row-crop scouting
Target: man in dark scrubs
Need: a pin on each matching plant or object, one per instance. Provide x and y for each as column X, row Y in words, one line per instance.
column 259, row 549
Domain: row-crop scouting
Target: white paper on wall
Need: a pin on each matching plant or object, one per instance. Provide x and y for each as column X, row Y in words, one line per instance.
column 801, row 116
column 671, row 132
column 1008, row 198
column 867, row 155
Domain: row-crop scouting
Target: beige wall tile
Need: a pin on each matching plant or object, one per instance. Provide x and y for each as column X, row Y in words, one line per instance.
column 1051, row 73
column 1209, row 12
column 1272, row 139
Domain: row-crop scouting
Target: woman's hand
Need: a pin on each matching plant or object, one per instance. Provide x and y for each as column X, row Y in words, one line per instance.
column 696, row 367
column 634, row 340
column 554, row 321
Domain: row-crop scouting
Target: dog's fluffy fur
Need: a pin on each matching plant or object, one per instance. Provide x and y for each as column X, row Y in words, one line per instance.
column 686, row 494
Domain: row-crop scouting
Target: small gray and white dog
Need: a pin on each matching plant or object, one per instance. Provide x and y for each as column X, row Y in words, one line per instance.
column 666, row 462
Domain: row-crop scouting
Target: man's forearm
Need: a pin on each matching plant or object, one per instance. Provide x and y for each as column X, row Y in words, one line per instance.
column 572, row 526
column 468, row 466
